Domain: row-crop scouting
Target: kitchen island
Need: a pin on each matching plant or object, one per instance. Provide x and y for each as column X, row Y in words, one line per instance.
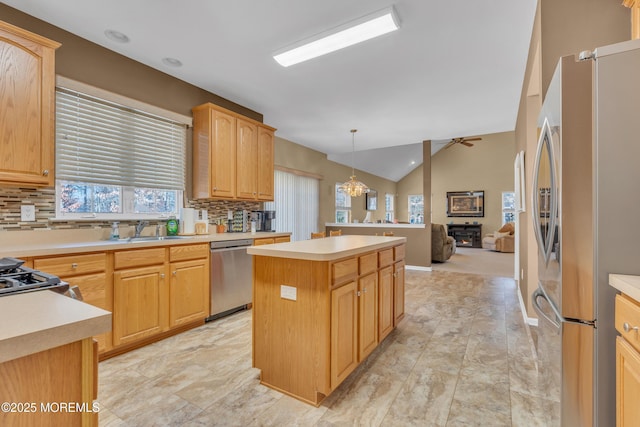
column 48, row 360
column 321, row 306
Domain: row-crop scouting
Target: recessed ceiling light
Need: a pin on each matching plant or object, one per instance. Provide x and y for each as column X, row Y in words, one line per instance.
column 116, row 36
column 413, row 162
column 172, row 62
column 356, row 31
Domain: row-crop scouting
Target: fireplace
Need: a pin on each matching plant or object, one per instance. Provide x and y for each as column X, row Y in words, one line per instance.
column 466, row 235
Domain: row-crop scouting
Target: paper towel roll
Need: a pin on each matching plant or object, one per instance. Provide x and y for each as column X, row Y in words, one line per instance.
column 187, row 221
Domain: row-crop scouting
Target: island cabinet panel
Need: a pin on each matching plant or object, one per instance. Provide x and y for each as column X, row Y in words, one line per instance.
column 316, row 320
column 367, row 315
column 47, row 379
column 291, row 328
column 140, row 302
column 398, row 293
column 385, row 302
column 344, row 332
column 27, row 122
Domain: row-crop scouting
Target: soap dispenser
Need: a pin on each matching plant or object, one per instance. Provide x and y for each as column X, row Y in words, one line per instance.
column 115, row 231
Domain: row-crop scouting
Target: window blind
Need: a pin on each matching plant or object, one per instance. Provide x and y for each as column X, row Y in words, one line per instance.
column 296, row 204
column 106, row 143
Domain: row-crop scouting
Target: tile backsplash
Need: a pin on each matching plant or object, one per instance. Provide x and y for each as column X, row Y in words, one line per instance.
column 44, row 200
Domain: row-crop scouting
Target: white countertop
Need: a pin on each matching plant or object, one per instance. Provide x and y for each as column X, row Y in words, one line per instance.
column 40, row 243
column 37, row 321
column 628, row 285
column 326, row 249
column 373, row 224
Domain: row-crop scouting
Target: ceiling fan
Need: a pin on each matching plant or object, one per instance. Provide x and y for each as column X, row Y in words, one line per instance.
column 463, row 141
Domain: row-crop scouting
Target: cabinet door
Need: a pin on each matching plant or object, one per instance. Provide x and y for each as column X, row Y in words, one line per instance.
column 367, row 315
column 283, row 239
column 398, row 293
column 385, row 301
column 223, row 155
column 344, row 332
column 265, row 164
column 627, row 384
column 264, row 241
column 27, row 66
column 93, row 288
column 247, row 160
column 188, row 292
column 139, row 301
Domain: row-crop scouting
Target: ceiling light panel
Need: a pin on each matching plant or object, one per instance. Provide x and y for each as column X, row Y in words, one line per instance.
column 359, row 30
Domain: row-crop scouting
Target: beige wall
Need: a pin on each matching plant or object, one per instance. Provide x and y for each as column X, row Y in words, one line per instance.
column 295, row 156
column 561, row 28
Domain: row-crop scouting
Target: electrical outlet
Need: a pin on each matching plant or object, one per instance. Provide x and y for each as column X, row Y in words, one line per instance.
column 27, row 213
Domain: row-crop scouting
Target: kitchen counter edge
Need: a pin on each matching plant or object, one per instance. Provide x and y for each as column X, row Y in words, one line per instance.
column 628, row 285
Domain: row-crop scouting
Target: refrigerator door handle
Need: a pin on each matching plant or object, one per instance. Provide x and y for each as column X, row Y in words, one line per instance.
column 539, row 293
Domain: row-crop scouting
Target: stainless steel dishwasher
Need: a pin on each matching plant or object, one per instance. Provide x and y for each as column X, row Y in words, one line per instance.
column 230, row 277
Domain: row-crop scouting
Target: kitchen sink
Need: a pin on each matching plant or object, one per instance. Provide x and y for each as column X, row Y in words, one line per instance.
column 152, row 238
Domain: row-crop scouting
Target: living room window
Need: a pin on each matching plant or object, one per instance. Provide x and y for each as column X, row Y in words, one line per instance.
column 343, row 205
column 115, row 161
column 388, row 207
column 416, row 209
column 508, row 207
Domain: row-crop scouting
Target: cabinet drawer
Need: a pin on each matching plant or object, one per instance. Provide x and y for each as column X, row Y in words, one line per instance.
column 385, row 257
column 342, row 271
column 265, row 241
column 368, row 263
column 138, row 257
column 283, row 239
column 72, row 265
column 398, row 252
column 628, row 311
column 186, row 252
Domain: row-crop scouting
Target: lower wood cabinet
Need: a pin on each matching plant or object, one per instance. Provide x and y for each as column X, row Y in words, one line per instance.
column 367, row 315
column 398, row 292
column 189, row 286
column 385, row 301
column 271, row 240
column 140, row 303
column 90, row 274
column 627, row 384
column 344, row 332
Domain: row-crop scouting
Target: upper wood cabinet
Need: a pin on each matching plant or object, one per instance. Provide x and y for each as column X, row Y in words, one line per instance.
column 27, row 102
column 232, row 155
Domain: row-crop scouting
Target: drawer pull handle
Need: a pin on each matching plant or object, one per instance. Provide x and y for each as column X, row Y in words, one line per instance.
column 627, row 327
column 74, row 265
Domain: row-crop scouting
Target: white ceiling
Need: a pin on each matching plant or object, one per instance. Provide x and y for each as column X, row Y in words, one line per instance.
column 454, row 69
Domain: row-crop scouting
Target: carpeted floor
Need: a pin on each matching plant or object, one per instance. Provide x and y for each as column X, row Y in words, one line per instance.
column 478, row 261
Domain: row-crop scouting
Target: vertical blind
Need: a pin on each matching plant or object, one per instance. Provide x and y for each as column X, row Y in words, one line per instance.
column 101, row 142
column 296, row 204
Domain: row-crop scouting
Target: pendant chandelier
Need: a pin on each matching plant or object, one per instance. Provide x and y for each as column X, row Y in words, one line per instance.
column 353, row 187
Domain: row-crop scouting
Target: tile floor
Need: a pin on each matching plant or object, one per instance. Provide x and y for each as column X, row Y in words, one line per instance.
column 461, row 357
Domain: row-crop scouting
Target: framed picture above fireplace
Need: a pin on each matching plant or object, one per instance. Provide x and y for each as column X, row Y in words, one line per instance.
column 465, row 203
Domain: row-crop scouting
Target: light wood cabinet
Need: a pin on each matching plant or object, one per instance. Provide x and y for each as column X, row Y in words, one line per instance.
column 247, row 160
column 385, row 301
column 140, row 303
column 189, row 288
column 367, row 315
column 68, row 373
column 232, row 155
column 89, row 273
column 265, row 162
column 27, row 66
column 344, row 332
column 314, row 322
column 271, row 240
column 627, row 321
column 398, row 292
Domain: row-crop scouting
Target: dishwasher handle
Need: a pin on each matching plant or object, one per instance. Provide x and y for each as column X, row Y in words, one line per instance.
column 231, row 244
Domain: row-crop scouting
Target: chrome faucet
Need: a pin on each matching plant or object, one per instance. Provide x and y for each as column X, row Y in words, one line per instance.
column 139, row 227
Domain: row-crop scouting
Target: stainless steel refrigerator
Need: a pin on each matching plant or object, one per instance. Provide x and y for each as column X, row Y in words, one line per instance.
column 586, row 206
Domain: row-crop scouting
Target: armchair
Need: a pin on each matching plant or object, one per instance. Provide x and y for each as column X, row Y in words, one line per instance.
column 442, row 245
column 502, row 240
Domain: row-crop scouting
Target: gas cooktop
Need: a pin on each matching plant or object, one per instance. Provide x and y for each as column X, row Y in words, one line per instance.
column 14, row 278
